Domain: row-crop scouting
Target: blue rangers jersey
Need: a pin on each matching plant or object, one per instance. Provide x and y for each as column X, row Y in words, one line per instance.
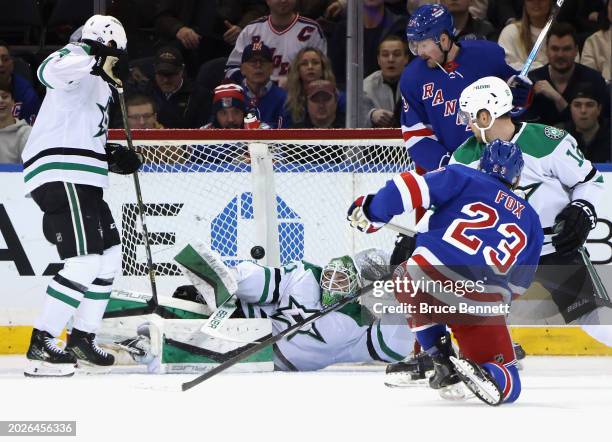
column 479, row 231
column 430, row 100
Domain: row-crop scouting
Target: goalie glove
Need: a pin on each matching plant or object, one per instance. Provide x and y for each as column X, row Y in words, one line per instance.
column 111, row 63
column 358, row 215
column 572, row 226
column 122, row 160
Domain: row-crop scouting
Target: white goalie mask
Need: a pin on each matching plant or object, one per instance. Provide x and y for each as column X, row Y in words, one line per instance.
column 105, row 28
column 489, row 93
column 339, row 279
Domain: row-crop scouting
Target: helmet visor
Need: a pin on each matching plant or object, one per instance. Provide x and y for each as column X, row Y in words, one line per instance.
column 422, row 46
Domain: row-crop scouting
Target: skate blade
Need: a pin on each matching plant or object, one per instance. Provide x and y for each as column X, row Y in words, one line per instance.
column 395, row 380
column 42, row 369
column 87, row 368
column 486, row 392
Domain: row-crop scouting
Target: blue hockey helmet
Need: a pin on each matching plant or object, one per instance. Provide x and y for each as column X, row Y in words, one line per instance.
column 502, row 159
column 430, row 21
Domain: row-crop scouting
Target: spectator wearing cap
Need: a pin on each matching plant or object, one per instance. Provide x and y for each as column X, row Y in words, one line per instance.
column 27, row 102
column 556, row 82
column 261, row 92
column 592, row 135
column 322, row 107
column 179, row 103
column 13, row 132
column 228, row 108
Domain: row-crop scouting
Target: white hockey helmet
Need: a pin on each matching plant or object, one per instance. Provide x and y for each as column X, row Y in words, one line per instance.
column 104, row 28
column 488, row 93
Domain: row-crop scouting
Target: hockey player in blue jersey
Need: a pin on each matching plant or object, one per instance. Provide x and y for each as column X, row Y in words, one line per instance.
column 432, row 83
column 480, row 232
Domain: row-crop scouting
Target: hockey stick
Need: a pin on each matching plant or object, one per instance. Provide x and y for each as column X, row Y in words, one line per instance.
column 141, row 207
column 554, row 11
column 275, row 338
column 600, row 288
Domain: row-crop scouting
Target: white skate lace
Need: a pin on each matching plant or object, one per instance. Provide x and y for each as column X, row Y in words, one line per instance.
column 51, row 345
column 98, row 349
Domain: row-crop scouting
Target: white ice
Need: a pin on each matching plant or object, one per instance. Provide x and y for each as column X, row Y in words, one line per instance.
column 563, row 399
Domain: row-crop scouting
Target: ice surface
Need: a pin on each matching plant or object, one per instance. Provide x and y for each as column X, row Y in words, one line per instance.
column 563, row 399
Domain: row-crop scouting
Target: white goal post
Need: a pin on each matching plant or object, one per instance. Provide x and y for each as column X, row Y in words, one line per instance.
column 285, row 190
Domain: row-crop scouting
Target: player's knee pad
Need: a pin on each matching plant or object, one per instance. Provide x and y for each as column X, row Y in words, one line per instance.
column 110, row 263
column 507, row 378
column 82, row 269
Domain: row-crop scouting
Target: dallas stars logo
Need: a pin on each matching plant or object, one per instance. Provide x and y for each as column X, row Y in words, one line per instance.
column 103, row 124
column 295, row 312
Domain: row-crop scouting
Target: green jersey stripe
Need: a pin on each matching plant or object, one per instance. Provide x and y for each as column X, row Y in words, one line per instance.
column 64, row 298
column 65, row 166
column 266, row 288
column 384, row 347
column 40, row 73
column 98, row 296
column 76, row 218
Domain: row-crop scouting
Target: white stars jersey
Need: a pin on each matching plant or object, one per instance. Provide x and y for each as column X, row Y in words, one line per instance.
column 285, row 44
column 68, row 138
column 290, row 294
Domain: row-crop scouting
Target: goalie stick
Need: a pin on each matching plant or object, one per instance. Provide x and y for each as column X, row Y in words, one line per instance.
column 141, row 207
column 275, row 338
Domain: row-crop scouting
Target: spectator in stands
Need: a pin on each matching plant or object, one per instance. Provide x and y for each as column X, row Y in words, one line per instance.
column 13, row 132
column 597, row 48
column 26, row 99
column 178, row 102
column 593, row 136
column 382, row 86
column 468, row 27
column 309, row 64
column 518, row 38
column 141, row 112
column 205, row 29
column 229, row 108
column 322, row 107
column 263, row 95
column 479, row 8
column 378, row 22
column 284, row 31
column 555, row 83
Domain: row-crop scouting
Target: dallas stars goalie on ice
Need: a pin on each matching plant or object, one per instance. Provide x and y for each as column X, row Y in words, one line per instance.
column 266, row 300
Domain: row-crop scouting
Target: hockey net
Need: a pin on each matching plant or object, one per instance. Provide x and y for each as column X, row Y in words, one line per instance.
column 285, row 190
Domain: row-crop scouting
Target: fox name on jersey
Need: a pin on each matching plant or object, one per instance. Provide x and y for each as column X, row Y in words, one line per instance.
column 429, row 118
column 69, row 136
column 285, row 44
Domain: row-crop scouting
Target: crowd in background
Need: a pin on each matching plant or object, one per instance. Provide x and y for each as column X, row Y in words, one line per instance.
column 208, row 63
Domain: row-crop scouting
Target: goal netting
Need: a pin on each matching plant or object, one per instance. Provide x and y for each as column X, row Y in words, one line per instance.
column 285, row 190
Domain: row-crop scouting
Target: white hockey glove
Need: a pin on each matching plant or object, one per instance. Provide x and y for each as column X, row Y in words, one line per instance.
column 358, row 216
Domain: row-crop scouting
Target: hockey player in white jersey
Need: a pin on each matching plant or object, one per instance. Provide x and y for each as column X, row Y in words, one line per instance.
column 66, row 165
column 291, row 293
column 284, row 31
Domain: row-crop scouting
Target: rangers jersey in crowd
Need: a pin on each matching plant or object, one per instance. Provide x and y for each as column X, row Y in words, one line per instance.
column 555, row 173
column 290, row 294
column 285, row 44
column 69, row 136
column 479, row 231
column 430, row 100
